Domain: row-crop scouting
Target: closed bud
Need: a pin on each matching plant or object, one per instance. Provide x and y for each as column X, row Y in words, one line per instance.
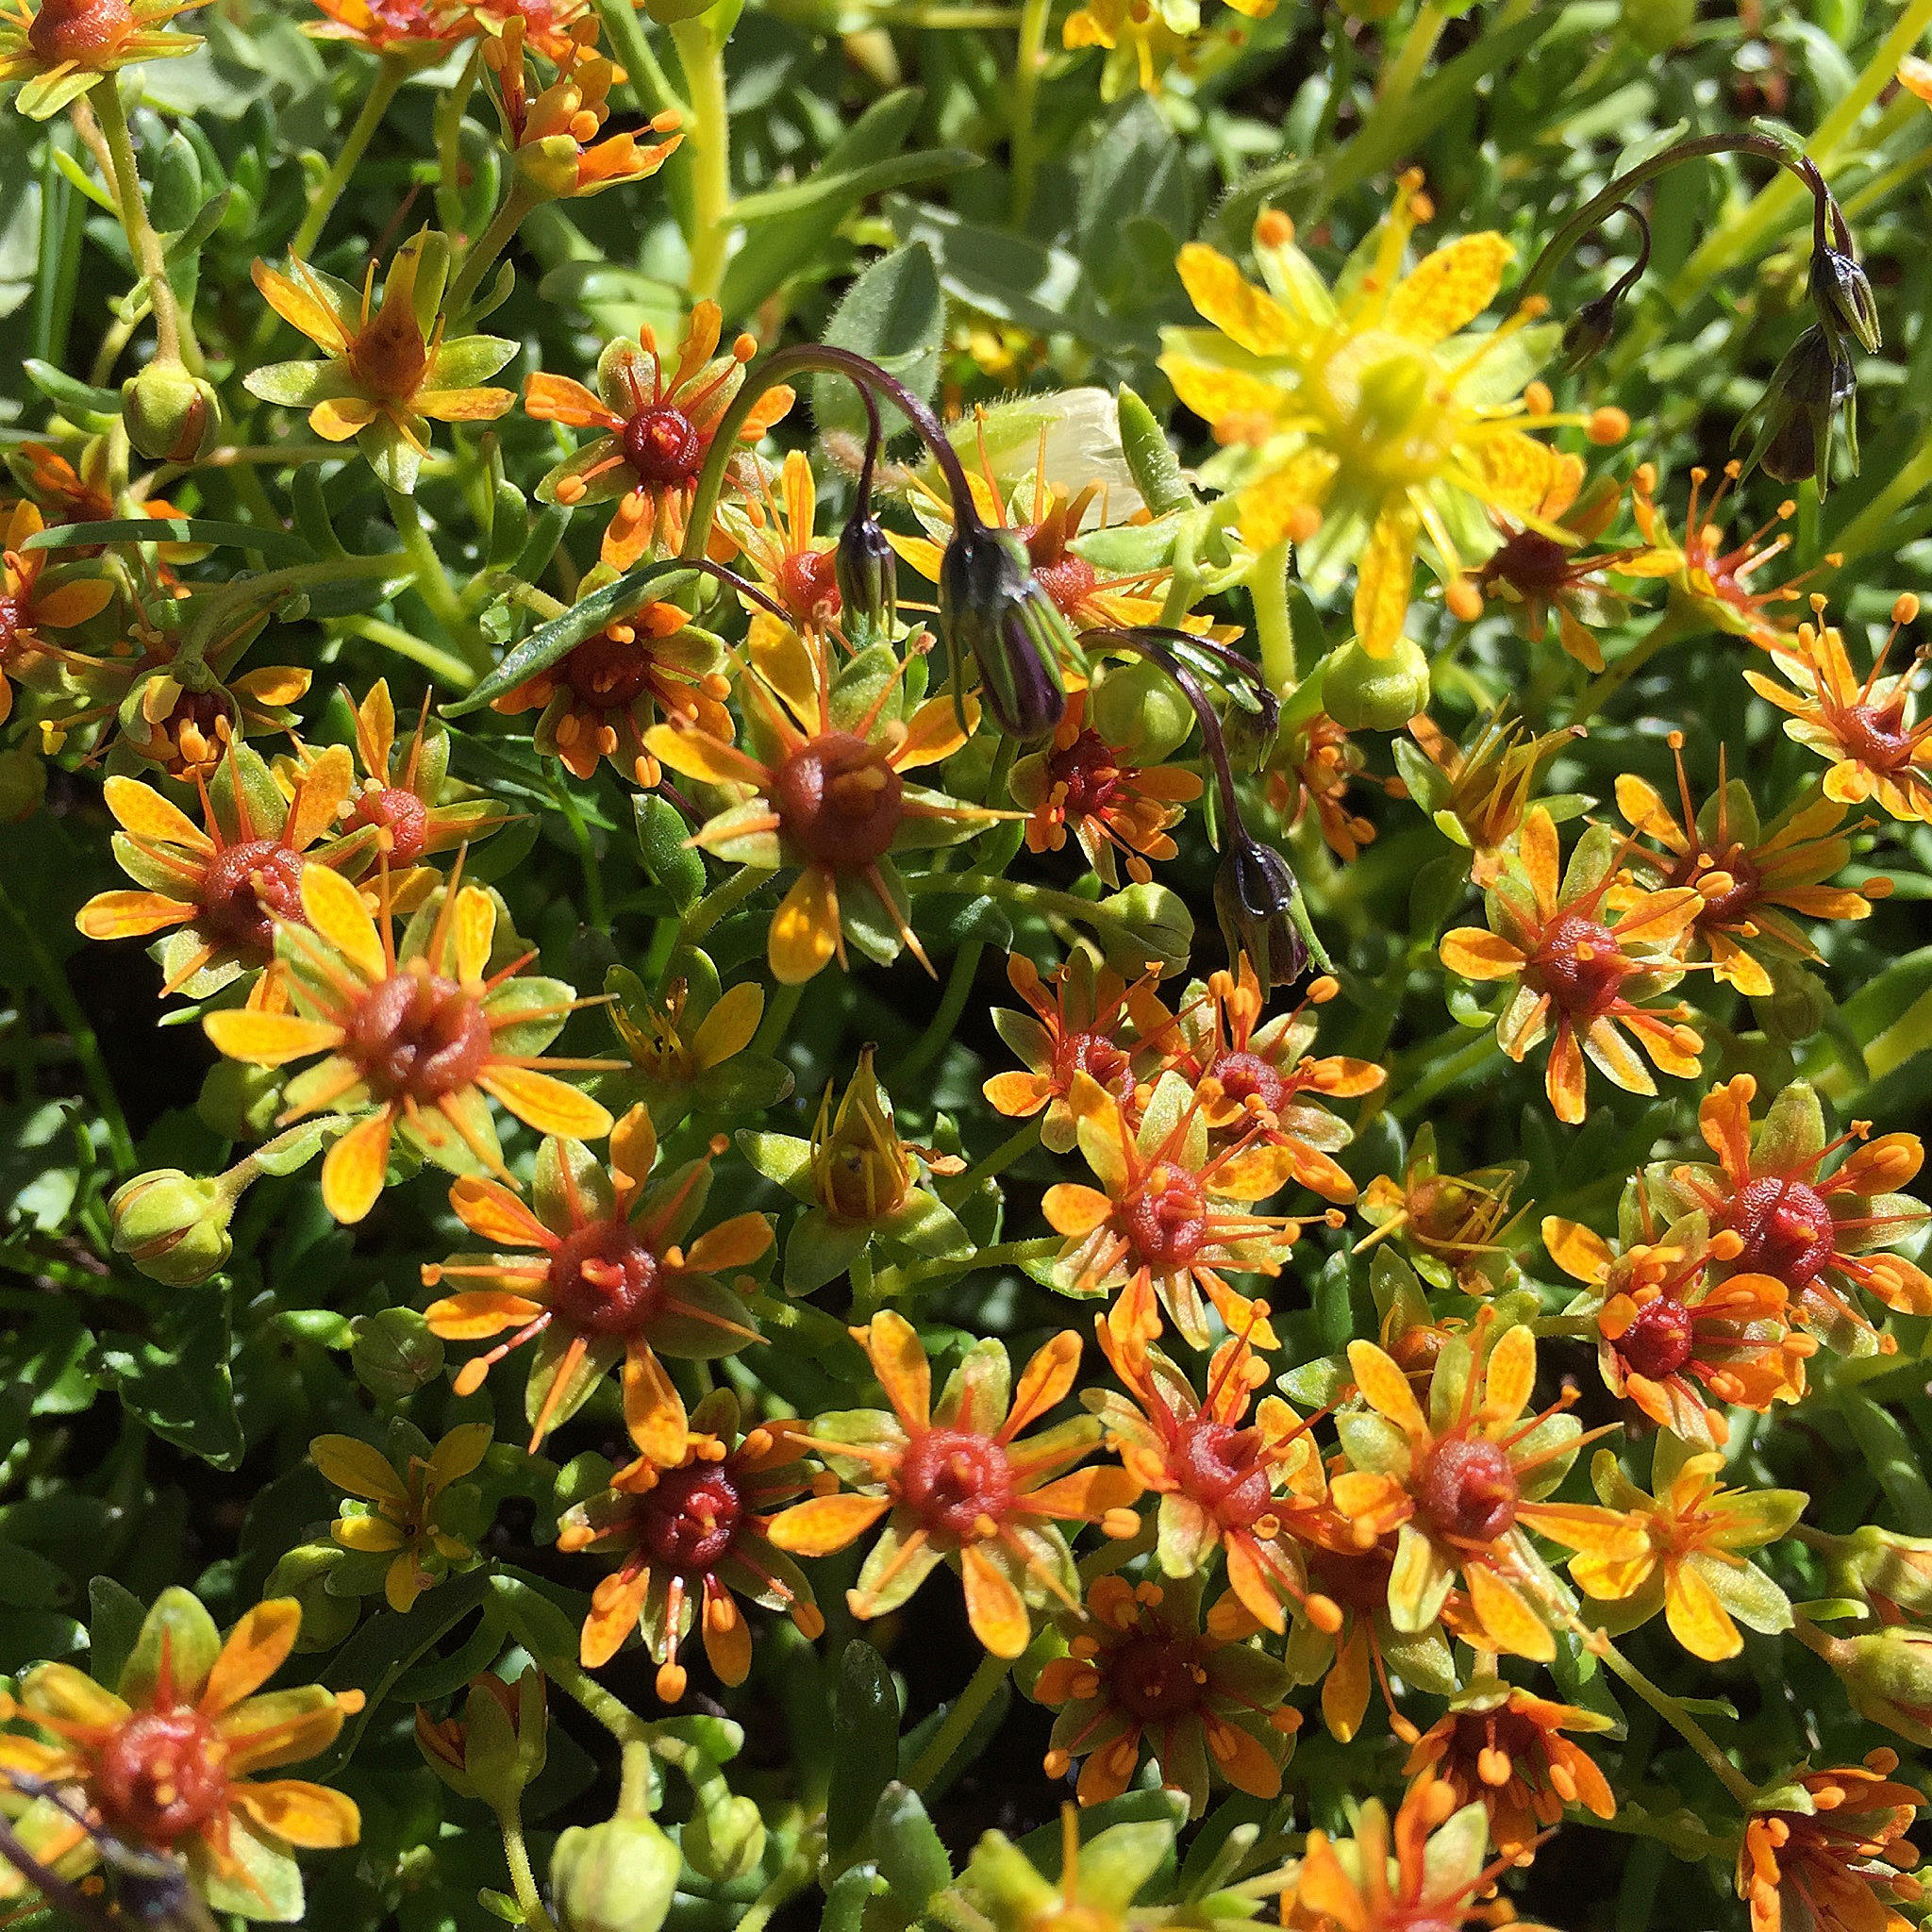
column 992, row 609
column 1884, row 1567
column 1800, row 407
column 1797, row 1006
column 1365, row 693
column 23, row 785
column 1255, row 900
column 724, row 1839
column 395, row 1354
column 866, row 571
column 497, row 1745
column 1147, row 926
column 171, row 417
column 1843, row 298
column 1587, row 333
column 619, row 1876
column 239, row 1101
column 173, row 1226
column 303, row 1573
column 1888, row 1678
column 1138, row 708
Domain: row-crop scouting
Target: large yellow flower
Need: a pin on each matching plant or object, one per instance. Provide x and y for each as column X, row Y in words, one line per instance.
column 1361, row 421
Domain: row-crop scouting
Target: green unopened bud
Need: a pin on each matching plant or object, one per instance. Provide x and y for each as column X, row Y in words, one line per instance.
column 1843, row 298
column 1885, row 1567
column 1587, row 333
column 619, row 1876
column 239, row 1101
column 1797, row 1006
column 173, row 1226
column 1365, row 693
column 992, row 610
column 303, row 1573
column 1888, row 1678
column 395, row 1354
column 726, row 1840
column 171, row 417
column 496, row 1746
column 1138, row 708
column 866, row 569
column 23, row 785
column 1147, row 926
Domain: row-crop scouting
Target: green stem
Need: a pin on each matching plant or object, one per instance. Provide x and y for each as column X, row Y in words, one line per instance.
column 965, row 1713
column 173, row 331
column 523, row 1880
column 721, row 900
column 484, row 251
column 587, row 857
column 440, row 664
column 389, row 76
column 1680, row 1720
column 946, row 1019
column 617, row 1717
column 1446, row 1074
column 1418, row 46
column 789, row 1880
column 1674, row 623
column 1028, row 65
column 51, row 982
column 1274, row 627
column 1907, row 484
column 779, row 1010
column 432, row 581
column 639, row 59
column 708, row 141
column 1016, row 1146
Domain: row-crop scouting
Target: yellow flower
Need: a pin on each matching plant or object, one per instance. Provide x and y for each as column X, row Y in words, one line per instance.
column 1364, row 423
column 61, row 48
column 388, row 370
column 1146, row 40
column 406, row 1523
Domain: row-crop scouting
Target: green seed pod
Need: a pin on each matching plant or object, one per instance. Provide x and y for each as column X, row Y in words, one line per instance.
column 173, row 1226
column 395, row 1354
column 1888, row 1678
column 1138, row 708
column 240, row 1102
column 1365, row 693
column 619, row 1876
column 724, row 1840
column 303, row 1573
column 1149, row 926
column 1797, row 1006
column 171, row 417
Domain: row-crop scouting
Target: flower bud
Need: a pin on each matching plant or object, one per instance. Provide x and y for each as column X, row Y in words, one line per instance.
column 303, row 1573
column 499, row 1743
column 865, row 568
column 619, row 1876
column 1884, row 1565
column 1254, row 899
column 724, row 1839
column 1797, row 1006
column 171, row 417
column 23, row 785
column 1888, row 1678
column 1138, row 708
column 1147, row 926
column 173, row 1226
column 1843, row 298
column 395, row 1354
column 1587, row 333
column 1800, row 406
column 1365, row 693
column 992, row 609
column 239, row 1101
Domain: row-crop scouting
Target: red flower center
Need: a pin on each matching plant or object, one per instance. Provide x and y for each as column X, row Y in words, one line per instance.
column 956, row 1483
column 245, row 886
column 662, row 445
column 1092, row 773
column 1221, row 1468
column 1096, row 1055
column 401, row 814
column 390, row 357
column 839, row 801
column 1729, row 907
column 1657, row 1342
column 1247, row 1076
column 419, row 1035
column 1531, row 563
column 84, row 33
column 1468, row 1490
column 1876, row 735
column 691, row 1517
column 12, row 622
column 807, row 584
column 1356, row 1579
column 608, row 673
column 1153, row 1679
column 1167, row 1220
column 161, row 1775
column 606, row 1279
column 1786, row 1228
column 1068, row 580
column 1581, row 965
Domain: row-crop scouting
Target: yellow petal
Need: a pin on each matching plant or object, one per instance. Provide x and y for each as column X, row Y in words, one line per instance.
column 734, row 1244
column 825, row 1523
column 1511, row 1374
column 372, row 1535
column 353, row 1170
column 634, row 1144
column 1384, row 581
column 300, row 1813
column 1448, row 290
column 141, row 811
column 546, row 1103
column 475, row 932
column 268, row 1040
column 488, row 1208
column 128, row 915
column 729, row 1026
column 1471, row 952
column 1385, row 1388
column 805, row 928
column 1234, row 305
column 1697, row 1619
column 357, row 1467
column 1501, row 1610
column 252, row 1653
column 898, row 1359
column 654, row 1413
column 335, row 910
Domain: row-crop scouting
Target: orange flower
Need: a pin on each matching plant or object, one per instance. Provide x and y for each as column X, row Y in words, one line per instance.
column 549, row 25
column 826, row 794
column 1671, row 1327
column 780, row 542
column 1462, row 1483
column 87, row 495
column 953, row 1482
column 1168, row 1217
column 1504, row 1749
column 1744, row 875
column 1536, row 572
column 552, row 135
column 658, row 421
column 599, row 699
column 163, row 1761
column 689, row 1535
column 418, row 32
column 1079, row 1027
column 29, row 609
column 1832, row 1846
column 1256, row 1079
column 1478, row 794
column 1860, row 725
column 1081, row 782
column 610, row 1279
column 411, row 1050
column 1454, row 1226
column 1316, row 764
column 1593, row 980
column 1713, row 581
column 1822, row 1236
column 1138, row 1671
column 218, row 893
column 62, row 47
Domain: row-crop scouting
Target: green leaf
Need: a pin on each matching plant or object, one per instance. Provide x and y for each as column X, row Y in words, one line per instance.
column 669, row 861
column 92, row 408
column 895, row 315
column 908, row 1853
column 865, row 1743
column 270, row 543
column 177, row 1380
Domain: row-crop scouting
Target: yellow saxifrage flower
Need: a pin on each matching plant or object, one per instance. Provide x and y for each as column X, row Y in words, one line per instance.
column 61, row 48
column 403, row 1513
column 1363, row 421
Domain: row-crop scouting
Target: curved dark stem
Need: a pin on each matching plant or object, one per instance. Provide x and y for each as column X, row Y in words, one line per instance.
column 871, row 381
column 1245, row 667
column 742, row 585
column 692, row 816
column 875, row 439
column 1634, row 274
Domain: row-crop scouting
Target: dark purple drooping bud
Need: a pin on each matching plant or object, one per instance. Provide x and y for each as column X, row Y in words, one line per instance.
column 1843, row 299
column 1589, row 331
column 866, row 571
column 992, row 609
column 1801, row 405
column 1255, row 900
